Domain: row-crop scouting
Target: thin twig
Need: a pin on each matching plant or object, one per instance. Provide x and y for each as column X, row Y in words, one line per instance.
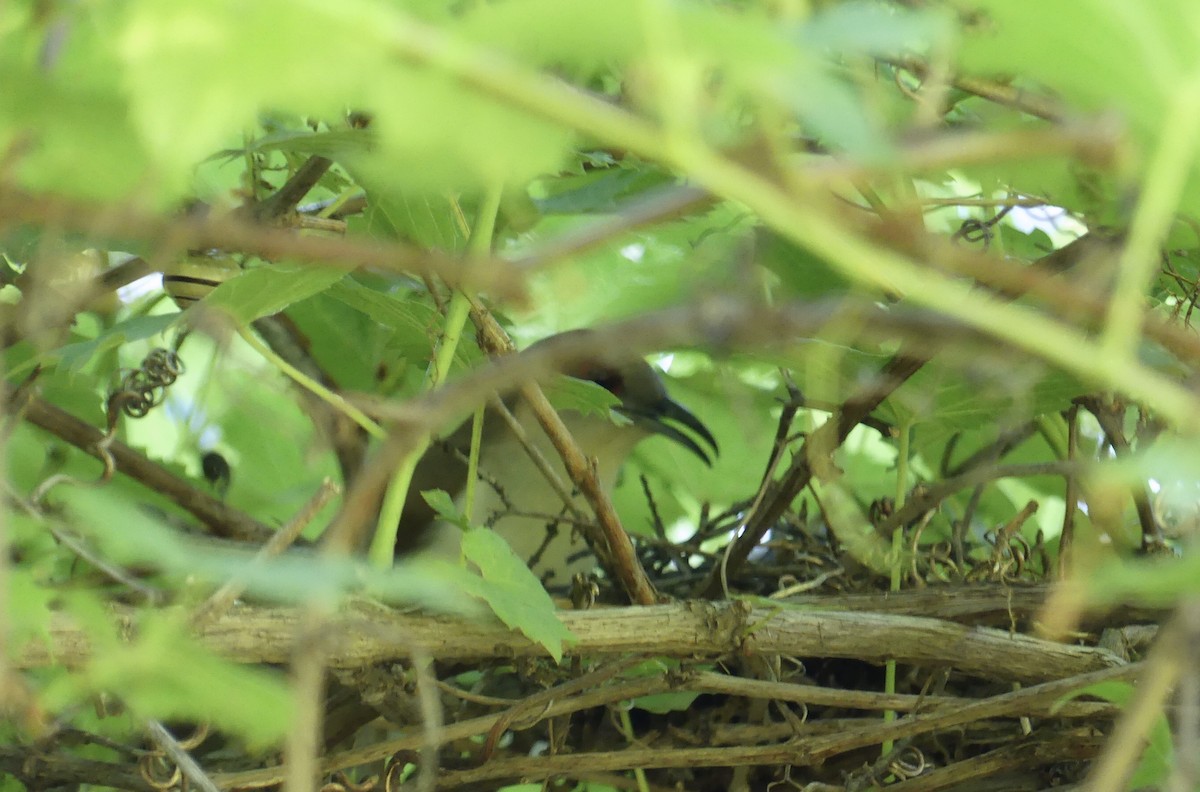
column 612, row 546
column 998, row 92
column 496, row 276
column 937, row 492
column 182, row 759
column 221, row 599
column 222, row 519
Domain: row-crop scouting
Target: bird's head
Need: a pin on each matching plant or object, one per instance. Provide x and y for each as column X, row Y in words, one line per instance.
column 645, row 402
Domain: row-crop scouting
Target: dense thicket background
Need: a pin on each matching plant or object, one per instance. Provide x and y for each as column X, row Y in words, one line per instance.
column 967, row 228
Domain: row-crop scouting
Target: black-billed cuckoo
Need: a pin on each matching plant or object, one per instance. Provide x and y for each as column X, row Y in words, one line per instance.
column 515, row 498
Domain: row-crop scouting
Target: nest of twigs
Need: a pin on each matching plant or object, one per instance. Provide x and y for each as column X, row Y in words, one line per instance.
column 754, row 693
column 785, row 684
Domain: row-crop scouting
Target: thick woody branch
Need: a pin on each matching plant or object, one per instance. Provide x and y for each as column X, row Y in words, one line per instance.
column 369, row 636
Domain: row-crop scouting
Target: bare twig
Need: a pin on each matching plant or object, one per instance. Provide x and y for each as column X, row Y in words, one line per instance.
column 612, row 546
column 292, row 192
column 221, row 518
column 797, row 752
column 933, row 711
column 220, row 600
column 182, row 759
column 998, row 92
column 935, row 493
column 1110, row 418
column 498, row 277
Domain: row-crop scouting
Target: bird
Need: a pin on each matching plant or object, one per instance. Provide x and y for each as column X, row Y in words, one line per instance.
column 513, row 496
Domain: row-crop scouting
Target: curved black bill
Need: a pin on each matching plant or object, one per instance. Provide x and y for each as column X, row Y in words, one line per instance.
column 654, row 419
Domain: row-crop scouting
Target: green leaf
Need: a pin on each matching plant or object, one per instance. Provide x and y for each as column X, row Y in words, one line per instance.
column 584, row 34
column 1117, row 692
column 264, row 291
column 446, row 508
column 73, row 118
column 164, row 673
column 357, row 353
column 127, row 535
column 437, row 136
column 330, row 143
column 598, row 191
column 512, row 591
column 875, row 29
column 802, row 273
column 581, row 396
column 662, row 703
column 661, row 267
column 430, row 221
column 139, row 328
column 252, row 57
column 1003, row 391
column 1157, row 759
column 31, row 593
column 390, row 310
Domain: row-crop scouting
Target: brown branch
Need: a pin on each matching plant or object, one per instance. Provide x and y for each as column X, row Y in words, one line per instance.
column 1024, row 755
column 292, row 192
column 222, row 519
column 652, row 207
column 174, row 235
column 993, row 604
column 1110, row 420
column 266, row 635
column 802, row 751
column 992, row 90
column 712, row 682
column 830, row 435
column 554, row 706
column 933, row 494
column 39, row 769
column 612, row 545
